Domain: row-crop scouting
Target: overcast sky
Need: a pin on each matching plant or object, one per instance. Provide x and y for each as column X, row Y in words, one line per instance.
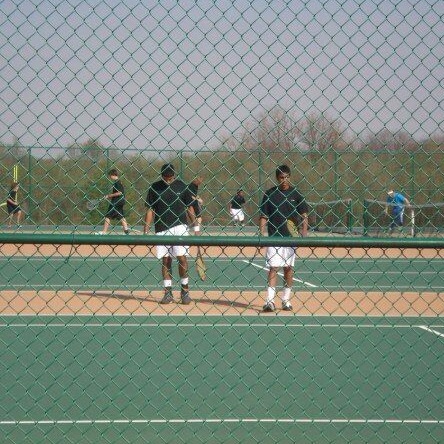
column 185, row 74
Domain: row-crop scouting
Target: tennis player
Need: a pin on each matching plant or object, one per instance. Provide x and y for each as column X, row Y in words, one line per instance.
column 235, row 208
column 280, row 204
column 169, row 202
column 116, row 202
column 395, row 206
column 12, row 205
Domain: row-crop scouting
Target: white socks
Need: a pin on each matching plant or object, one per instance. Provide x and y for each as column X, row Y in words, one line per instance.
column 271, row 294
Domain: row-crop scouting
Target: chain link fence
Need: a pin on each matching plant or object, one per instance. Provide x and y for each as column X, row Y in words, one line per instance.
column 347, row 94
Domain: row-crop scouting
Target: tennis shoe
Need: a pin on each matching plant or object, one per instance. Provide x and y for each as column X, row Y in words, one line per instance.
column 286, row 306
column 167, row 298
column 269, row 307
column 185, row 297
column 100, row 233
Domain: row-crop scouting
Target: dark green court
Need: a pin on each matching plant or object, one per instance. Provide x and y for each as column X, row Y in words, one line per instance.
column 222, row 379
column 133, row 273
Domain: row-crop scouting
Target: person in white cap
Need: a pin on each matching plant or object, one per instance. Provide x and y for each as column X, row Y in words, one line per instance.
column 395, row 205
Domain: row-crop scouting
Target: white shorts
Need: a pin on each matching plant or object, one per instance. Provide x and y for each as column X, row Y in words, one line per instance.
column 278, row 257
column 173, row 250
column 237, row 214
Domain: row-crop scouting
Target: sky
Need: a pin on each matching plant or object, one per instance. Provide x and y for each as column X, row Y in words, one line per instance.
column 185, row 75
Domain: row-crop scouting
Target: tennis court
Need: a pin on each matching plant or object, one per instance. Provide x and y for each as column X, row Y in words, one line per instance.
column 104, row 279
column 221, row 379
column 90, row 356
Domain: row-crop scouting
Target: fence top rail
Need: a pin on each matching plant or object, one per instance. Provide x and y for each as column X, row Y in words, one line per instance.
column 241, row 241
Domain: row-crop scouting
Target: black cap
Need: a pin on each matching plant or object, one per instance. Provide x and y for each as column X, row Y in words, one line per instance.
column 167, row 170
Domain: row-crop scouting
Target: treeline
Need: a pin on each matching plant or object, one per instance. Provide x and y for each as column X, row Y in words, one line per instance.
column 327, row 165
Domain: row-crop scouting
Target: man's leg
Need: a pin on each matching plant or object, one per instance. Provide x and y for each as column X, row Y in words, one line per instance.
column 124, row 225
column 184, row 280
column 288, row 280
column 271, row 289
column 106, row 225
column 167, row 280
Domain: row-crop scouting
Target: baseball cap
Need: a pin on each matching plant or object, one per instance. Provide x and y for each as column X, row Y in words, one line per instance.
column 390, row 192
column 167, row 170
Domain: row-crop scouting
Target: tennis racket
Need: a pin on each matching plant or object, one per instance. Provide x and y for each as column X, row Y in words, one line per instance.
column 292, row 228
column 201, row 268
column 93, row 203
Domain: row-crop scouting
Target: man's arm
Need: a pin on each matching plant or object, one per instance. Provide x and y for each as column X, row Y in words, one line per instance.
column 193, row 219
column 115, row 194
column 148, row 219
column 262, row 226
column 116, row 191
column 304, row 225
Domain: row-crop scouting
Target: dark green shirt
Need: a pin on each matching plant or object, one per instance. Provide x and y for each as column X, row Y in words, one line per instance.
column 169, row 203
column 278, row 206
column 118, row 200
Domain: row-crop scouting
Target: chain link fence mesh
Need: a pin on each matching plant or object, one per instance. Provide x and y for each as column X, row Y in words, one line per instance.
column 345, row 93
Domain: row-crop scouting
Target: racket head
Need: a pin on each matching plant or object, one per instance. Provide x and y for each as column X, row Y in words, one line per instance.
column 292, row 228
column 201, row 268
column 93, row 204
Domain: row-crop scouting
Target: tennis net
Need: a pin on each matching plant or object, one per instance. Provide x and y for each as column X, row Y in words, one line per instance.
column 423, row 220
column 333, row 216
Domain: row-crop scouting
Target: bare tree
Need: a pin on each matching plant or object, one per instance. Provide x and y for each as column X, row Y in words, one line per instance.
column 388, row 141
column 93, row 149
column 319, row 133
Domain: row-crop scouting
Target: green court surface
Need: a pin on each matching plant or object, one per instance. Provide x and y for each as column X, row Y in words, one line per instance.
column 131, row 273
column 221, row 379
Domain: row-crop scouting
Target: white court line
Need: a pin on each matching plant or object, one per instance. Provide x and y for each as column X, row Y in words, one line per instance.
column 199, row 286
column 308, row 284
column 430, row 330
column 223, row 421
column 207, row 325
column 120, row 287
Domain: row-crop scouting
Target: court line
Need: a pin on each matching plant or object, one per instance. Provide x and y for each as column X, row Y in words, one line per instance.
column 308, row 284
column 223, row 421
column 430, row 330
column 94, row 257
column 121, row 287
column 209, row 325
column 108, row 287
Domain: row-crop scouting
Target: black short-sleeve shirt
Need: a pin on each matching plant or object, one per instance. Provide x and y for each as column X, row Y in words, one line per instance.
column 169, row 203
column 237, row 202
column 193, row 188
column 13, row 196
column 278, row 206
column 118, row 200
